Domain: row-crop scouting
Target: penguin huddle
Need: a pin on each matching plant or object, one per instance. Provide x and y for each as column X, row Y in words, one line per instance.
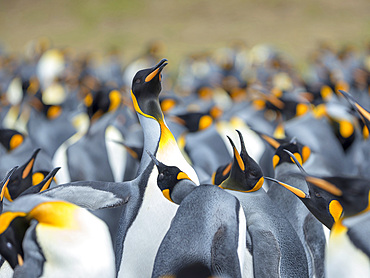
column 101, row 181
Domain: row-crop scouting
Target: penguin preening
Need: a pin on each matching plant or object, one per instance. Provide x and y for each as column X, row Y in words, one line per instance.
column 272, row 241
column 202, row 230
column 58, row 239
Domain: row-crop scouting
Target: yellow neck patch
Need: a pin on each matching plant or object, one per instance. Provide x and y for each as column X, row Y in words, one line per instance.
column 167, row 104
column 205, row 121
column 275, row 160
column 346, row 128
column 335, row 210
column 37, row 178
column 326, row 92
column 88, row 100
column 115, row 100
column 298, row 157
column 306, row 152
column 166, row 193
column 257, row 186
column 259, row 104
column 15, row 141
column 7, row 217
column 56, row 214
column 279, row 132
column 182, row 176
column 54, row 112
column 301, row 109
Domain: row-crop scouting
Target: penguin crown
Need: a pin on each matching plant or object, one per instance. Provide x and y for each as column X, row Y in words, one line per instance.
column 245, row 174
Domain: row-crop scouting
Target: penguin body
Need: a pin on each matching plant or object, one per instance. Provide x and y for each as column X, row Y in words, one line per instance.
column 204, row 231
column 274, row 245
column 152, row 212
column 308, row 228
column 58, row 239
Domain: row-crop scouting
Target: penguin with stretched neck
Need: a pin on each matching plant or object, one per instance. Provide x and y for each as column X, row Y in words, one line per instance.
column 153, row 213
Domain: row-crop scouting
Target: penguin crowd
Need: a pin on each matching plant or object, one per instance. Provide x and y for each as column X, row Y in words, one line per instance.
column 238, row 166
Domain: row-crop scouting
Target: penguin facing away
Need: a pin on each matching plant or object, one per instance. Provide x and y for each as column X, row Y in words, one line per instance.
column 273, row 243
column 59, row 239
column 308, row 228
column 202, row 230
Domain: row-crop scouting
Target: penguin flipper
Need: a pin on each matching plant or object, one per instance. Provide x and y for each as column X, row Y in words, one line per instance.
column 265, row 247
column 33, row 259
column 315, row 238
column 92, row 195
column 224, row 259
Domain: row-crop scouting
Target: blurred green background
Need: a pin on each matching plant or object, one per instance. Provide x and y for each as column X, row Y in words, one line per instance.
column 184, row 27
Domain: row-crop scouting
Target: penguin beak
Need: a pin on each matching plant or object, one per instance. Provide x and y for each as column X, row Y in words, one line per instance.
column 156, row 70
column 237, row 156
column 296, row 161
column 156, row 162
column 28, row 167
column 325, row 185
column 294, row 190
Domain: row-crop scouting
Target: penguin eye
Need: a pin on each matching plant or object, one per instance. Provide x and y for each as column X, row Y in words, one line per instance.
column 137, row 81
column 318, row 195
column 160, row 176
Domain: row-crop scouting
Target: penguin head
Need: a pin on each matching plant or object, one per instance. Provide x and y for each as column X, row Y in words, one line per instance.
column 364, row 114
column 43, row 185
column 146, row 87
column 221, row 173
column 245, row 174
column 301, row 152
column 11, row 139
column 351, row 193
column 49, row 213
column 21, row 179
column 318, row 201
column 174, row 183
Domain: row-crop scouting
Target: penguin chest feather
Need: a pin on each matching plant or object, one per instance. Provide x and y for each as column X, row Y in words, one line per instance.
column 147, row 231
column 84, row 250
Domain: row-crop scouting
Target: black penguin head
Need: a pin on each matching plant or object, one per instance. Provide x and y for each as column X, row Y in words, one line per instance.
column 301, row 152
column 351, row 193
column 170, row 179
column 221, row 173
column 245, row 174
column 21, row 179
column 42, row 185
column 318, row 201
column 4, row 186
column 146, row 87
column 364, row 114
column 11, row 139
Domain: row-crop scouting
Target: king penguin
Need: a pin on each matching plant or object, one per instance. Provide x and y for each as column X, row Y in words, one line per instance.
column 308, row 228
column 209, row 227
column 272, row 242
column 58, row 239
column 135, row 256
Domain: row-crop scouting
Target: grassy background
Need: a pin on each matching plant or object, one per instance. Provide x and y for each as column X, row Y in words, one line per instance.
column 184, row 26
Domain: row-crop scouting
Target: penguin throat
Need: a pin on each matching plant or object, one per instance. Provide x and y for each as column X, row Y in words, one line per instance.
column 150, row 106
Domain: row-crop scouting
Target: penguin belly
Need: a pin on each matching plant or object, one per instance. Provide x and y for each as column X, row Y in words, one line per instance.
column 146, row 232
